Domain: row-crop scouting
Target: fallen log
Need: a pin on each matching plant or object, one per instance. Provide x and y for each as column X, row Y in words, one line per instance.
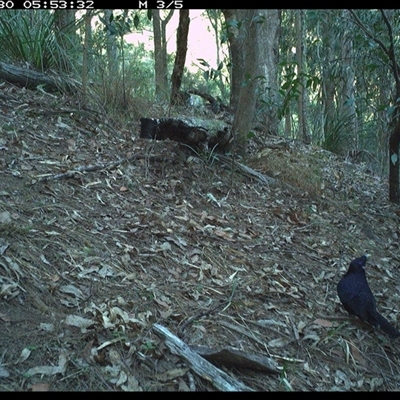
column 31, row 79
column 190, row 131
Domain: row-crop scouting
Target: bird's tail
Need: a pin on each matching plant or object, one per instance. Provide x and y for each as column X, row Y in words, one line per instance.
column 387, row 327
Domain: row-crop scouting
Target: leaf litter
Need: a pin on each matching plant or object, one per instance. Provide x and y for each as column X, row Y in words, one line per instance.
column 103, row 235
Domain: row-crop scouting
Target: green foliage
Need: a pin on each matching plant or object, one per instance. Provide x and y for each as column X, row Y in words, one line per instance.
column 336, row 134
column 121, row 24
column 210, row 73
column 29, row 37
column 291, row 82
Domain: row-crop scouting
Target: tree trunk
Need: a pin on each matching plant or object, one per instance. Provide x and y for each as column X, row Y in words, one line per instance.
column 346, row 100
column 215, row 19
column 180, row 58
column 302, row 99
column 236, row 37
column 269, row 31
column 67, row 38
column 86, row 56
column 111, row 47
column 247, row 96
column 328, row 84
column 394, row 143
column 160, row 53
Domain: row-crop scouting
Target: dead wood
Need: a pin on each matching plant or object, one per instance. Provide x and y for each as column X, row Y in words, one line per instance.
column 95, row 167
column 193, row 132
column 31, row 79
column 238, row 359
column 198, row 364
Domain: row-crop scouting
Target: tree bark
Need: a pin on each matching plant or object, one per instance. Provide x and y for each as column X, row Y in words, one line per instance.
column 86, row 56
column 244, row 113
column 347, row 103
column 269, row 31
column 67, row 38
column 215, row 19
column 328, row 84
column 394, row 143
column 160, row 54
column 111, row 47
column 236, row 36
column 180, row 58
column 302, row 99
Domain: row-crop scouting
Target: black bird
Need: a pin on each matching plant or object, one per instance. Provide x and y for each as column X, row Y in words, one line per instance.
column 357, row 298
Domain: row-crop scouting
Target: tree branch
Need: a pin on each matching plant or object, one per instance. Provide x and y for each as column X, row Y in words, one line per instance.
column 392, row 55
column 368, row 33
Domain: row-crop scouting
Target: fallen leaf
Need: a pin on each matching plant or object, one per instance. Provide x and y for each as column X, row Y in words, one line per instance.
column 357, row 355
column 172, row 374
column 46, row 327
column 71, row 289
column 25, row 353
column 3, row 372
column 40, row 387
column 323, row 322
column 79, row 322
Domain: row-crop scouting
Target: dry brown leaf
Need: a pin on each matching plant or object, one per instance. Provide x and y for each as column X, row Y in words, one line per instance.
column 50, row 370
column 225, row 235
column 357, row 355
column 323, row 322
column 40, row 387
column 172, row 374
column 79, row 322
column 132, row 385
column 161, row 303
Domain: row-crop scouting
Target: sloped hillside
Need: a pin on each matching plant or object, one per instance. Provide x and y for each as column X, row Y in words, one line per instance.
column 103, row 235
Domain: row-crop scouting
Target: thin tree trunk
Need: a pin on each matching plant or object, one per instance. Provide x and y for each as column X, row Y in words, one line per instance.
column 160, row 54
column 269, row 32
column 111, row 47
column 180, row 58
column 215, row 19
column 236, row 36
column 301, row 101
column 394, row 143
column 86, row 59
column 328, row 84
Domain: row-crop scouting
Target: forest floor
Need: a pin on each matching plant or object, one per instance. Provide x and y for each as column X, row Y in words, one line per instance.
column 146, row 233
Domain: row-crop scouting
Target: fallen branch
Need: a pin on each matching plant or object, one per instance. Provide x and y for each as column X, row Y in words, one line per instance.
column 198, row 364
column 94, row 167
column 250, row 172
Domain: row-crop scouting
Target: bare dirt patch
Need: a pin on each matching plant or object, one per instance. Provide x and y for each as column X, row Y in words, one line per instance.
column 89, row 262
